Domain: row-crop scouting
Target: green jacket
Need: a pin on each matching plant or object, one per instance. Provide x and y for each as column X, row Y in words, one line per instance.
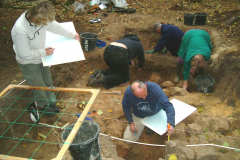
column 194, row 42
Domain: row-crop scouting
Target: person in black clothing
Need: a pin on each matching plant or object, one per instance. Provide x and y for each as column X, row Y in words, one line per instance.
column 118, row 57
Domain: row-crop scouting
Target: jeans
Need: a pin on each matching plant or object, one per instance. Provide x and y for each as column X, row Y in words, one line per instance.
column 117, row 59
column 38, row 75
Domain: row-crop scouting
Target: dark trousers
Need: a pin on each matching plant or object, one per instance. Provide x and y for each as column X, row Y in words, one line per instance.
column 117, row 59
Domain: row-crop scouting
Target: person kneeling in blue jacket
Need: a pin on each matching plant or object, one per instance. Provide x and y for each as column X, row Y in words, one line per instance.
column 143, row 99
column 171, row 37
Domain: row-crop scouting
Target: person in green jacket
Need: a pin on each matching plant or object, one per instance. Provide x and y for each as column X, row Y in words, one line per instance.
column 194, row 50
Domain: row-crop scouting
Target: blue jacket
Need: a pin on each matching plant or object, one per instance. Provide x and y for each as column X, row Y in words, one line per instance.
column 171, row 37
column 154, row 102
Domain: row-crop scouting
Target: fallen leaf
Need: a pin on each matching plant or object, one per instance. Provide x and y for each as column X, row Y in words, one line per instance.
column 91, row 72
column 24, row 145
column 13, row 81
column 200, row 109
column 99, row 112
column 110, row 110
column 225, row 144
column 107, row 119
column 206, row 136
column 172, row 157
column 223, row 151
column 42, row 135
column 60, row 105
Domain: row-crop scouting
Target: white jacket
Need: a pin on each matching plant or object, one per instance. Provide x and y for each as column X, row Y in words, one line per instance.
column 29, row 40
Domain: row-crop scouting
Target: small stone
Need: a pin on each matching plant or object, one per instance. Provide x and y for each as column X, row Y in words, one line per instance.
column 167, row 84
column 206, row 153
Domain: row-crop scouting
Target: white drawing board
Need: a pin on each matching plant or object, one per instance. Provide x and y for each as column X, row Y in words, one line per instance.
column 158, row 122
column 66, row 49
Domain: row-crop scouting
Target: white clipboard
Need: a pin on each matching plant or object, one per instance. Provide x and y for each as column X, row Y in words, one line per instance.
column 158, row 122
column 66, row 49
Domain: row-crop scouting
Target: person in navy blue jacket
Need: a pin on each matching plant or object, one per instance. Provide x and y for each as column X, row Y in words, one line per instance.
column 171, row 37
column 143, row 99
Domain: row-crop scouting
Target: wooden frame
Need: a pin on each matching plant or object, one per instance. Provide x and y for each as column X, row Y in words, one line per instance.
column 77, row 124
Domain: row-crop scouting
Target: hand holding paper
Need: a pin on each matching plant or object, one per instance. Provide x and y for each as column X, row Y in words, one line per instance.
column 49, row 51
column 77, row 37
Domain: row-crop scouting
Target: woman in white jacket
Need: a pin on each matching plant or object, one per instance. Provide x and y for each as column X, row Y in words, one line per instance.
column 29, row 36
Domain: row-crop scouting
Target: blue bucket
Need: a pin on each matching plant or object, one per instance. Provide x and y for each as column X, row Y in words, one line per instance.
column 100, row 43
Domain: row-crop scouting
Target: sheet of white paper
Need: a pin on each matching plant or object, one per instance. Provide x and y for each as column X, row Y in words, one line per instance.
column 66, row 49
column 158, row 122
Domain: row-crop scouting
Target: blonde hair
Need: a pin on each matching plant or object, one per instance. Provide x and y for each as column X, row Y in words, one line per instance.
column 198, row 61
column 42, row 13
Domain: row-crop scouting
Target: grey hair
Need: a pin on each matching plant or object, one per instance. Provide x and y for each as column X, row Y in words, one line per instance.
column 156, row 26
column 141, row 85
column 198, row 61
column 41, row 13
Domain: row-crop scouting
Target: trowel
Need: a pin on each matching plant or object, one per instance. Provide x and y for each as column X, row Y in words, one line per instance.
column 113, row 92
column 35, row 116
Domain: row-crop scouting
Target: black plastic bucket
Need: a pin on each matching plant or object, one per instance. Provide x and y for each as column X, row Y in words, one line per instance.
column 204, row 83
column 189, row 19
column 85, row 145
column 201, row 18
column 132, row 36
column 88, row 41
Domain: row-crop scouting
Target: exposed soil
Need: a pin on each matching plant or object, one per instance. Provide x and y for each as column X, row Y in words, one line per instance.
column 224, row 67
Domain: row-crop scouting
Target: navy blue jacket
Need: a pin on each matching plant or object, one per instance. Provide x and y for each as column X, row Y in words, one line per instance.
column 154, row 102
column 171, row 37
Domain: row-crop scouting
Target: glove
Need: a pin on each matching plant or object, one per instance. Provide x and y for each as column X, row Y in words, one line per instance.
column 164, row 51
column 150, row 51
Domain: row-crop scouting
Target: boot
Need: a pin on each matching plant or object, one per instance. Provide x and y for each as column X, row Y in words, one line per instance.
column 178, row 71
column 96, row 73
column 97, row 80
